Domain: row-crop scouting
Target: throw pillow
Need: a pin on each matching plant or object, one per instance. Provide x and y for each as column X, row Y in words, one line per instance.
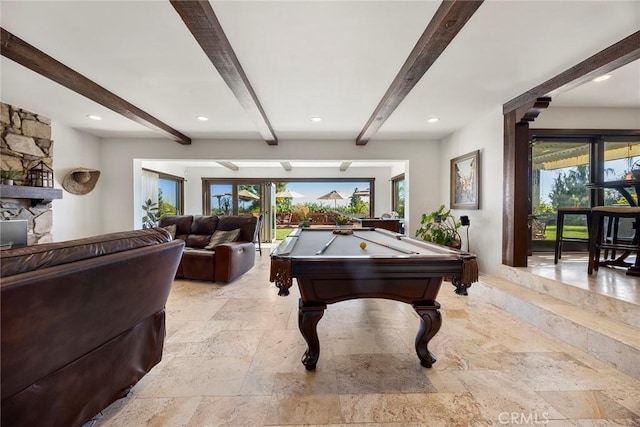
column 172, row 230
column 219, row 237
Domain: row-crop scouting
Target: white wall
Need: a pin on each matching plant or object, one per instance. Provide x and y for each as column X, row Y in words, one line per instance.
column 76, row 216
column 122, row 179
column 588, row 118
column 485, row 231
column 170, row 168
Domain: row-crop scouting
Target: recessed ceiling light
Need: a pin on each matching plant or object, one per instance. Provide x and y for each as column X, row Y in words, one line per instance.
column 94, row 117
column 316, row 119
column 202, row 118
column 602, row 78
column 433, row 120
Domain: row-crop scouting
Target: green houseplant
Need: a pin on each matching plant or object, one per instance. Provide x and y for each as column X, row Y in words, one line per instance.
column 150, row 219
column 440, row 227
column 7, row 176
column 302, row 213
column 343, row 220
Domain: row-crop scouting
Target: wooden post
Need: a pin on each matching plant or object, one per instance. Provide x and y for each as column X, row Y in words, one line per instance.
column 515, row 229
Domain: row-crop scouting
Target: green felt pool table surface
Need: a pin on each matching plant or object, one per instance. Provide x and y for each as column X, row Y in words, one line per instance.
column 379, row 243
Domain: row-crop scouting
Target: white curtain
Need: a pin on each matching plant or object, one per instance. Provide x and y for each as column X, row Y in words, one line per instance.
column 149, row 186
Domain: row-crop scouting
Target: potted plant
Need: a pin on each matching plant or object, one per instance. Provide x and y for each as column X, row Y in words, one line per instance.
column 302, row 213
column 440, row 227
column 7, row 176
column 150, row 219
column 343, row 220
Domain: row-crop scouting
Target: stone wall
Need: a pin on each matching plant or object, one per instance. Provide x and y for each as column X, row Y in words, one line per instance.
column 25, row 141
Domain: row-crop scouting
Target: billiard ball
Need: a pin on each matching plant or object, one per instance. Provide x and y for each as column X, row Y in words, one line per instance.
column 363, row 245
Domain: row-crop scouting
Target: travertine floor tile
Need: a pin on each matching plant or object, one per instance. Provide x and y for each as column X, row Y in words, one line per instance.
column 199, row 376
column 304, row 409
column 230, row 411
column 381, row 373
column 232, row 358
column 156, row 412
column 591, row 404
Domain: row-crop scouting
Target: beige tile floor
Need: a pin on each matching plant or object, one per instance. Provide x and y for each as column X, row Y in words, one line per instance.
column 572, row 269
column 232, row 358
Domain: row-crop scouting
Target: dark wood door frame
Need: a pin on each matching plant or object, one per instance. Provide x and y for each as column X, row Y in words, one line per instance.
column 525, row 108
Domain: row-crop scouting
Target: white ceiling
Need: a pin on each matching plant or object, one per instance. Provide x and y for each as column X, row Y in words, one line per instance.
column 333, row 59
column 160, row 165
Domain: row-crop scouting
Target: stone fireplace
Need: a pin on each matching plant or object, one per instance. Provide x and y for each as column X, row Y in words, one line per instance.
column 25, row 141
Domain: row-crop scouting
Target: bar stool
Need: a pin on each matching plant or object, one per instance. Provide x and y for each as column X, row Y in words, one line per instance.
column 598, row 241
column 562, row 212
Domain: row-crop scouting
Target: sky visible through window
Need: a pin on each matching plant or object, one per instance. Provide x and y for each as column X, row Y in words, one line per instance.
column 547, row 177
column 168, row 188
column 313, row 190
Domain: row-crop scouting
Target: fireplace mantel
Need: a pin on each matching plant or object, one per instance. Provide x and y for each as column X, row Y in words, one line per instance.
column 37, row 195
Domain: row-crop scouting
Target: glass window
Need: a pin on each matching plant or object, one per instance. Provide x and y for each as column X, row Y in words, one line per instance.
column 309, row 196
column 221, row 198
column 248, row 199
column 560, row 175
column 621, row 162
column 398, row 195
column 169, row 196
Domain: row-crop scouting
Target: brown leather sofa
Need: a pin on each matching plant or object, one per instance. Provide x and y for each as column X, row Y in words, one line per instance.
column 224, row 263
column 82, row 322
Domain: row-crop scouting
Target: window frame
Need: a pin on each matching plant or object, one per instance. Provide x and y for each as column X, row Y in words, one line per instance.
column 395, row 197
column 207, row 181
column 180, row 188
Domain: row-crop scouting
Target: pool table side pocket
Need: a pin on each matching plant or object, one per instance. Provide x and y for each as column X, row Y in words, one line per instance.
column 281, row 275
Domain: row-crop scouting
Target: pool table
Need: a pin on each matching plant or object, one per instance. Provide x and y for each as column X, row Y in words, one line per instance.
column 342, row 264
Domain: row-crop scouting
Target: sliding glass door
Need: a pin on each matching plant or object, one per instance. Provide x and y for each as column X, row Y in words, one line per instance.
column 560, row 173
column 242, row 197
column 562, row 166
column 232, row 198
column 621, row 159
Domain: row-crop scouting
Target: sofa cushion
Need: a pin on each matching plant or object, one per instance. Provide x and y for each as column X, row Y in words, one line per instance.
column 221, row 236
column 246, row 224
column 182, row 222
column 198, row 241
column 204, row 225
column 172, row 230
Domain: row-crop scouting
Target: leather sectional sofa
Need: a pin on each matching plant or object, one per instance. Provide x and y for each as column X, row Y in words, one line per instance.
column 81, row 322
column 222, row 263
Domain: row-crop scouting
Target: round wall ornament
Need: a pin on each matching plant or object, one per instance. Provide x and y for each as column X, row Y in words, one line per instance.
column 81, row 180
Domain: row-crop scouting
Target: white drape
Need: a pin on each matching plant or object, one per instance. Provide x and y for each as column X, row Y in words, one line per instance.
column 149, row 186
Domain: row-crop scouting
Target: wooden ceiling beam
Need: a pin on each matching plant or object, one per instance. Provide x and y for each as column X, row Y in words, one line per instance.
column 28, row 56
column 615, row 56
column 448, row 20
column 532, row 110
column 200, row 19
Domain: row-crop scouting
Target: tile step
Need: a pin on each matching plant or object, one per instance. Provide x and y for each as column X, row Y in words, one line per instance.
column 613, row 308
column 612, row 341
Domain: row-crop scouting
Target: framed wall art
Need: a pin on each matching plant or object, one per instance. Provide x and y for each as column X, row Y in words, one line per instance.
column 465, row 181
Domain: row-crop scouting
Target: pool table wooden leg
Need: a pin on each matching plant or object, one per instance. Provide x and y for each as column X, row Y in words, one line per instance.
column 308, row 318
column 430, row 322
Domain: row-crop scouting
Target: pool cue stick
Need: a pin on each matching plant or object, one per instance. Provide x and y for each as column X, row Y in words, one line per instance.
column 395, row 248
column 324, row 248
